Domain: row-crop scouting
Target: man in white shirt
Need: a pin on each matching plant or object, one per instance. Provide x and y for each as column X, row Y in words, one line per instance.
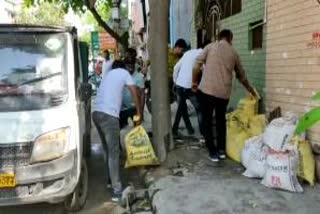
column 182, row 77
column 106, row 118
column 107, row 62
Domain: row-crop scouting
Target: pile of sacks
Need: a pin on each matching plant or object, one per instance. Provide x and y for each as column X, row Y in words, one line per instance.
column 243, row 124
column 279, row 157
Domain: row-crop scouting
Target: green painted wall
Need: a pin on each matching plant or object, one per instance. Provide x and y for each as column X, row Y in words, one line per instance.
column 253, row 61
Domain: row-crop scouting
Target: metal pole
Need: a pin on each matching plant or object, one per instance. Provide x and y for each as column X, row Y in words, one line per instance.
column 158, row 49
column 143, row 2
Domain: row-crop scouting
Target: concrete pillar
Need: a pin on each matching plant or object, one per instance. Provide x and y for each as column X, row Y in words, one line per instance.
column 158, row 49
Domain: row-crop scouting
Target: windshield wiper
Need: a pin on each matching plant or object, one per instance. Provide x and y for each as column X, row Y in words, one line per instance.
column 40, row 79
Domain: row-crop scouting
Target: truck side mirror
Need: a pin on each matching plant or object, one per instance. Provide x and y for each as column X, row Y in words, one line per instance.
column 85, row 91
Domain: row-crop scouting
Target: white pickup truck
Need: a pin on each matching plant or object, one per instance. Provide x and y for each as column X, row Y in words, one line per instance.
column 45, row 117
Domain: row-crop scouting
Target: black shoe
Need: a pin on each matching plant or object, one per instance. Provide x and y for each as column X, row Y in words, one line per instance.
column 222, row 155
column 214, row 158
column 202, row 140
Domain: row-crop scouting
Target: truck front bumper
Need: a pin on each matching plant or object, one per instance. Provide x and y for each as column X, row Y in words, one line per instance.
column 44, row 182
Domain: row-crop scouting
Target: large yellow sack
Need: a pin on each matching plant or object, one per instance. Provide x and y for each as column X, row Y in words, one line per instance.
column 307, row 163
column 235, row 144
column 257, row 125
column 238, row 118
column 236, row 121
column 237, row 134
column 139, row 149
column 242, row 124
column 248, row 105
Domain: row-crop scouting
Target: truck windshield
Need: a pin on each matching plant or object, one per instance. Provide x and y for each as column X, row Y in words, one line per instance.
column 33, row 70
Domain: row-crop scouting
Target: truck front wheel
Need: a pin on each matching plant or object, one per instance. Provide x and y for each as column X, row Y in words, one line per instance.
column 76, row 201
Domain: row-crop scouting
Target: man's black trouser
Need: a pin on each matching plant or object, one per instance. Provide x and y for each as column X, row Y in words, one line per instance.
column 208, row 104
column 125, row 115
column 184, row 94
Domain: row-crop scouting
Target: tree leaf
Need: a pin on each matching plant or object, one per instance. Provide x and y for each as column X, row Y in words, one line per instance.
column 308, row 120
column 81, row 6
column 45, row 13
column 316, row 97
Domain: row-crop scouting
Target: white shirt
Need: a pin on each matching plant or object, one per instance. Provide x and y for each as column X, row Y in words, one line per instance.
column 106, row 66
column 182, row 75
column 109, row 95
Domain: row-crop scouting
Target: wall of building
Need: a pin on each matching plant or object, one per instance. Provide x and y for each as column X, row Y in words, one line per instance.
column 136, row 15
column 253, row 61
column 293, row 50
column 181, row 20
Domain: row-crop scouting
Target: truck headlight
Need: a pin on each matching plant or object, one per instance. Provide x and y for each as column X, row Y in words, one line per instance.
column 50, row 146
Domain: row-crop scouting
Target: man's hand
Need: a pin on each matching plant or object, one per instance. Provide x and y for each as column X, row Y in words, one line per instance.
column 137, row 120
column 253, row 92
column 135, row 95
column 194, row 87
column 249, row 88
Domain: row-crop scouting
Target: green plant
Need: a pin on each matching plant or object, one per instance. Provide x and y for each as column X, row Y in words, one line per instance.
column 310, row 118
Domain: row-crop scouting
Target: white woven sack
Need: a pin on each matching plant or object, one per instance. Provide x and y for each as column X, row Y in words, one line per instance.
column 251, row 147
column 281, row 168
column 257, row 162
column 279, row 133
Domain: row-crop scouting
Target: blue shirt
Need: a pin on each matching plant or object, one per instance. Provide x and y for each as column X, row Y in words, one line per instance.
column 127, row 101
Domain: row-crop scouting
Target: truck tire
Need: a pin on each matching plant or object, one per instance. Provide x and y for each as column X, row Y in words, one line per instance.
column 77, row 200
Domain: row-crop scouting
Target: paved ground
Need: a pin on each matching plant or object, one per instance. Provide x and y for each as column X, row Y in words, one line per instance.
column 220, row 188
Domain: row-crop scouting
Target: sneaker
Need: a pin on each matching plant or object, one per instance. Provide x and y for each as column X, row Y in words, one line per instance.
column 116, row 196
column 222, row 155
column 202, row 140
column 214, row 158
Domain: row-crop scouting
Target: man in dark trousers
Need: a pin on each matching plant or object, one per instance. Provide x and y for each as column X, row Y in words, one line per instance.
column 214, row 90
column 182, row 77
